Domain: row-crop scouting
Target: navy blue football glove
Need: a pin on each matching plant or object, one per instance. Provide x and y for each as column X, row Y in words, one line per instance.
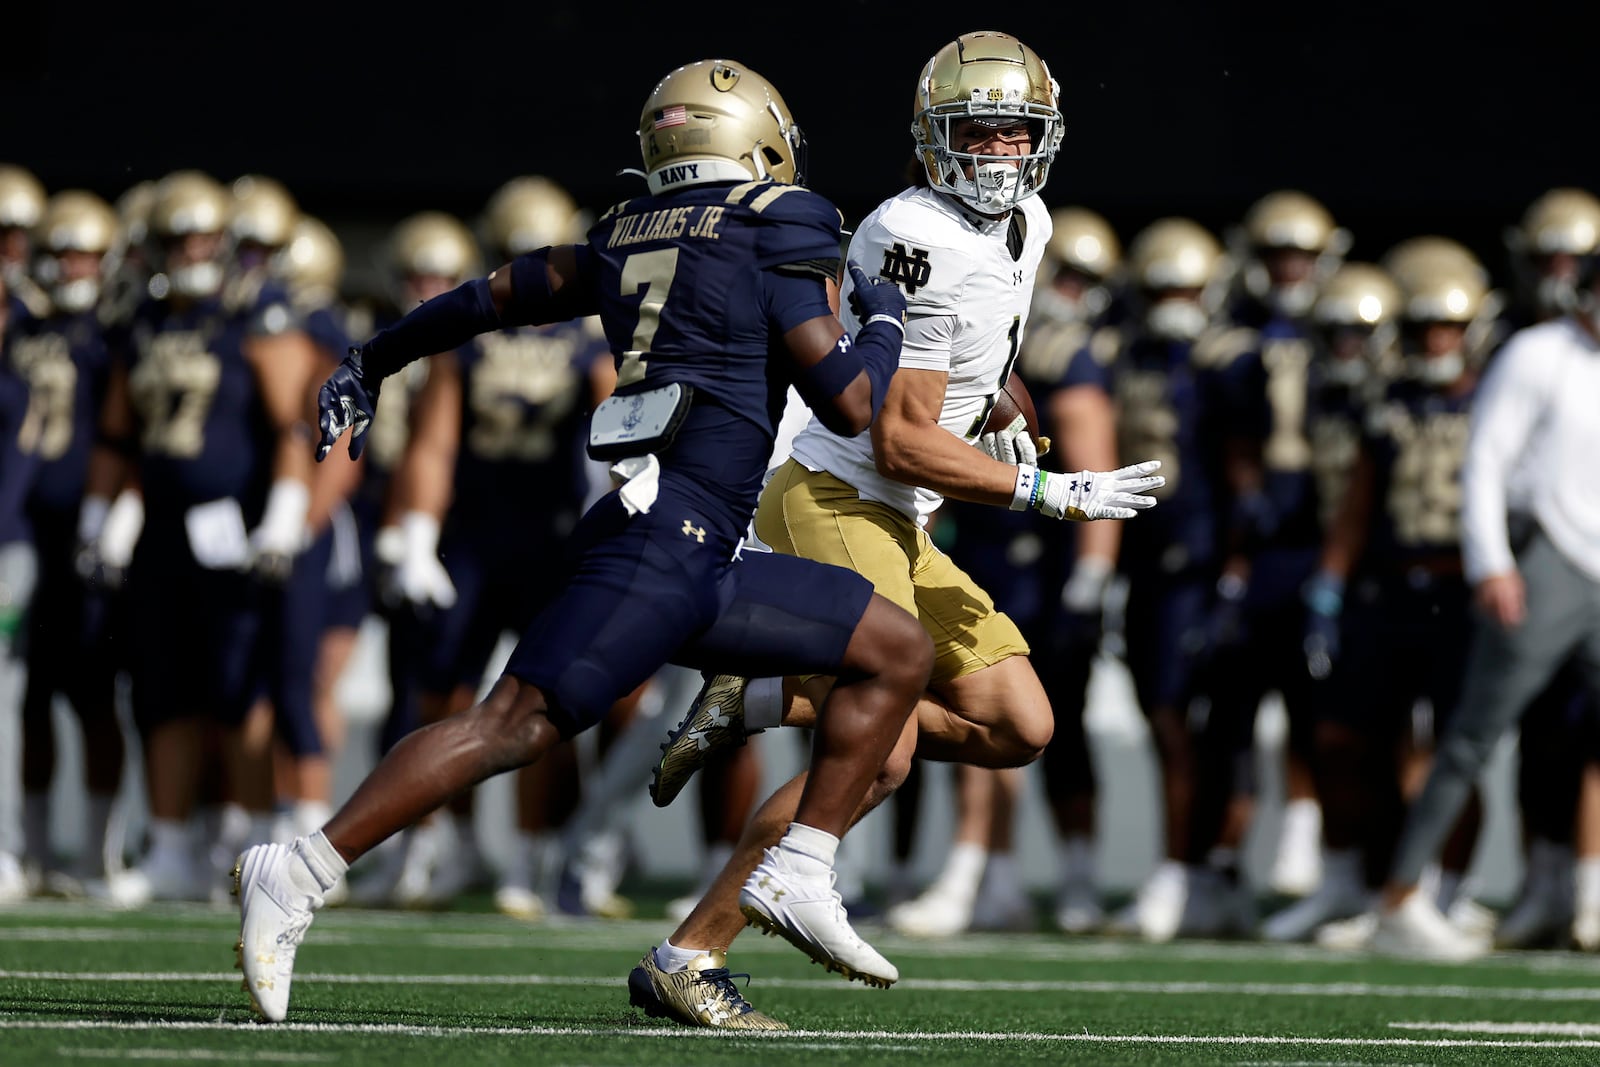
column 876, row 299
column 1324, row 596
column 346, row 401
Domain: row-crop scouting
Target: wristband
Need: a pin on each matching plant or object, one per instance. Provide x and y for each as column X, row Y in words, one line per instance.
column 1030, row 483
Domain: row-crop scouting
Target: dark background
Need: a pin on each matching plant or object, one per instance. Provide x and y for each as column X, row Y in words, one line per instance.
column 1404, row 118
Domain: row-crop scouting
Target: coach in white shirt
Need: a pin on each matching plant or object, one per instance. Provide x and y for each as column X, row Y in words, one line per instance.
column 1531, row 550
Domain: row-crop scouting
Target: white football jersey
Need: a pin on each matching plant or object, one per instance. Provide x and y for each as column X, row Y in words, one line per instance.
column 966, row 305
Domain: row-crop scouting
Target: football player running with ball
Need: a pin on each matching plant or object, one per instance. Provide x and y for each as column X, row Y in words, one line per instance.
column 964, row 242
column 714, row 292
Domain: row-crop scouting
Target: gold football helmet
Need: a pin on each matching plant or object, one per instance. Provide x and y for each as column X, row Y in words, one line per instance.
column 1176, row 264
column 312, row 261
column 1290, row 219
column 75, row 221
column 1355, row 315
column 1551, row 249
column 264, row 212
column 434, row 244
column 1442, row 285
column 529, row 213
column 22, row 198
column 188, row 202
column 716, row 121
column 986, row 75
column 1419, row 257
column 1079, row 261
column 1288, row 244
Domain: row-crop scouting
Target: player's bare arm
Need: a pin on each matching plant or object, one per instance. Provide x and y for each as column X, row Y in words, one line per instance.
column 910, row 446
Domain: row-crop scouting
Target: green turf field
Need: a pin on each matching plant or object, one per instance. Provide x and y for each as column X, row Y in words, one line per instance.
column 80, row 985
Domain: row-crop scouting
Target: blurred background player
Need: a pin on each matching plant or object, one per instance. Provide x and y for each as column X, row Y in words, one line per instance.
column 1164, row 383
column 1388, row 603
column 207, row 408
column 426, row 254
column 1354, row 337
column 22, row 203
column 1051, row 581
column 64, row 357
column 1287, row 246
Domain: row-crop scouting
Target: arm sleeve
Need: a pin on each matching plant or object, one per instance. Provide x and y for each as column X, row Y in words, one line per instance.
column 532, row 301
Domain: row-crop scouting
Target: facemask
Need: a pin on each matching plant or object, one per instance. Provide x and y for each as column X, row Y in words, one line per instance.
column 1555, row 296
column 75, row 296
column 995, row 187
column 1438, row 370
column 1345, row 372
column 197, row 279
column 1293, row 301
column 1176, row 320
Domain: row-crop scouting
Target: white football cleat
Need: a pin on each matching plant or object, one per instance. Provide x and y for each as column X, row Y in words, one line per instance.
column 806, row 911
column 13, row 883
column 1417, row 929
column 1586, row 928
column 1349, row 935
column 276, row 906
column 1158, row 909
column 937, row 912
column 520, row 902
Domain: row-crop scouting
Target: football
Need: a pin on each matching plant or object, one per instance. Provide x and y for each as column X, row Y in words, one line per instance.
column 1011, row 401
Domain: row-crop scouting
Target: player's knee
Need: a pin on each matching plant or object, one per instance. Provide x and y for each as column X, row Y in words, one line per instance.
column 511, row 719
column 896, row 769
column 1023, row 735
column 900, row 651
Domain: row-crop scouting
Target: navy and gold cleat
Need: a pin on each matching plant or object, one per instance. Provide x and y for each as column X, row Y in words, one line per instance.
column 715, row 720
column 703, row 994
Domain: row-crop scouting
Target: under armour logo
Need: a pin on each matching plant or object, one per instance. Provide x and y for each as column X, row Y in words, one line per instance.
column 910, row 271
column 1016, row 277
column 766, row 883
column 696, row 532
column 712, row 1010
column 1086, row 484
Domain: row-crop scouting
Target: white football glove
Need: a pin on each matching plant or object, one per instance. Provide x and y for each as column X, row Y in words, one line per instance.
column 1013, row 445
column 281, row 535
column 412, row 551
column 1088, row 495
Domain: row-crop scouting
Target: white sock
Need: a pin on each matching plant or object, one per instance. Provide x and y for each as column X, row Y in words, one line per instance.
column 1077, row 859
column 36, row 827
column 321, row 859
column 1302, row 817
column 1586, row 881
column 963, row 869
column 808, row 850
column 672, row 959
column 763, row 704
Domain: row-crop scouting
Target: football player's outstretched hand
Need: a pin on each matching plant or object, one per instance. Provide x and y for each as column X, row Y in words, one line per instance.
column 346, row 401
column 1087, row 495
column 876, row 299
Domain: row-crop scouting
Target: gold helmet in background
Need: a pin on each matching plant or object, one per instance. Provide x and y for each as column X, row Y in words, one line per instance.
column 75, row 221
column 1356, row 314
column 1175, row 263
column 22, row 198
column 992, row 77
column 1082, row 242
column 1290, row 244
column 264, row 212
column 1559, row 232
column 432, row 243
column 1442, row 284
column 531, row 212
column 188, row 202
column 312, row 261
column 715, row 121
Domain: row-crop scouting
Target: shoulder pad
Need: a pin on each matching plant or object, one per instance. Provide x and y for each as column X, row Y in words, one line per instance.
column 1217, row 348
column 794, row 224
column 615, row 209
column 921, row 250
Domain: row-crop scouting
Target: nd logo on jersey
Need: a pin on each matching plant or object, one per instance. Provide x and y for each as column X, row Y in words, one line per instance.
column 910, row 271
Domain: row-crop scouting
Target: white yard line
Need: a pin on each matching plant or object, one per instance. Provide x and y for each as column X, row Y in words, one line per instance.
column 219, row 1055
column 1566, row 994
column 687, row 1034
column 1486, row 1027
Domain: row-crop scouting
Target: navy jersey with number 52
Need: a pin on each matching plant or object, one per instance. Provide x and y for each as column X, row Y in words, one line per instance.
column 685, row 296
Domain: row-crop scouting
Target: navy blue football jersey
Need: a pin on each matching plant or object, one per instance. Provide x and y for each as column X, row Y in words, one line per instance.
column 1417, row 438
column 203, row 432
column 525, row 397
column 65, row 361
column 684, row 294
